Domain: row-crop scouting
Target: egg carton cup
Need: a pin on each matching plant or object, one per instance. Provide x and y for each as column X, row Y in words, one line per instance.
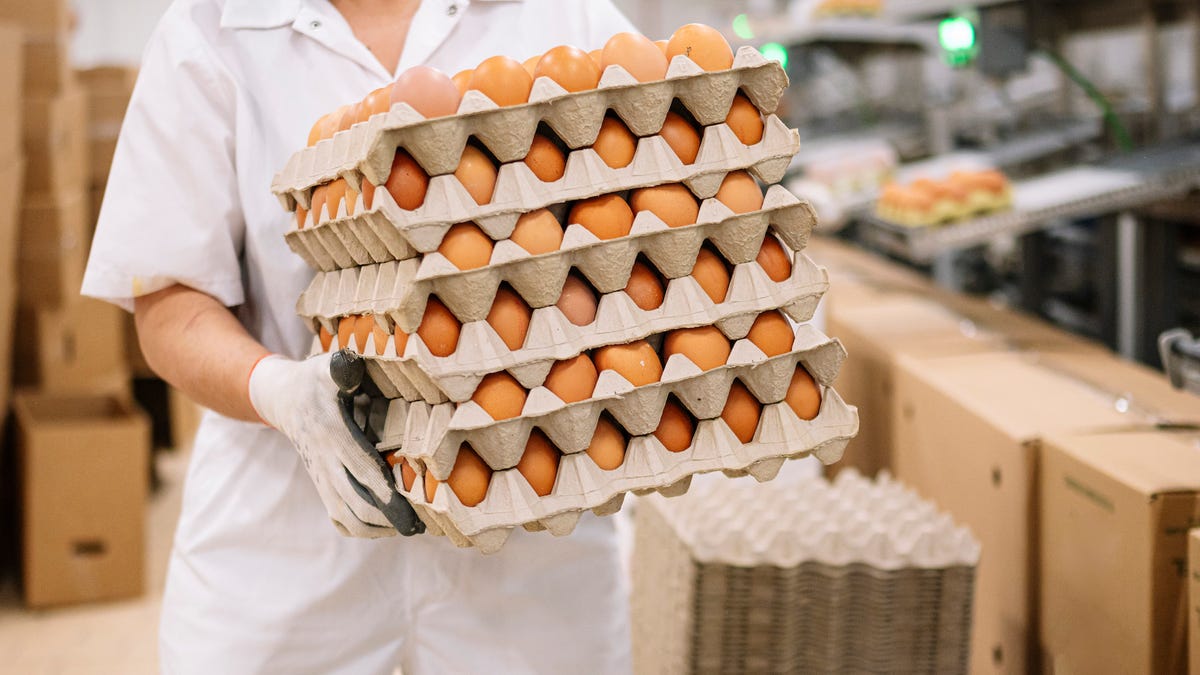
column 358, row 235
column 418, row 375
column 648, row 467
column 401, row 289
column 366, row 150
column 433, row 433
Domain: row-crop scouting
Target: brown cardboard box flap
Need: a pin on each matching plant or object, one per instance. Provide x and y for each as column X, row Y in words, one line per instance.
column 1152, row 462
column 1144, row 390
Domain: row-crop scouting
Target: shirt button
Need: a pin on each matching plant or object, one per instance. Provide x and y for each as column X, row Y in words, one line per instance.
column 452, row 10
column 315, row 25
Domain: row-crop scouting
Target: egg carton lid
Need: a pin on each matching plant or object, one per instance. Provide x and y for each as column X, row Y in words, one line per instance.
column 648, row 467
column 433, row 433
column 399, row 290
column 366, row 150
column 358, row 235
column 853, row 520
column 418, row 375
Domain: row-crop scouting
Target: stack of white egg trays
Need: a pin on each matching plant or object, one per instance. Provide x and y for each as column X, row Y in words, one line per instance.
column 383, row 260
column 801, row 576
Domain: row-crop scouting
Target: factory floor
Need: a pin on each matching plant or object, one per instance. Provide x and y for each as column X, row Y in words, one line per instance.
column 114, row 637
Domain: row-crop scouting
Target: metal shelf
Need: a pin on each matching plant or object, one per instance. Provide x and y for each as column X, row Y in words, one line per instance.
column 915, row 10
column 876, row 32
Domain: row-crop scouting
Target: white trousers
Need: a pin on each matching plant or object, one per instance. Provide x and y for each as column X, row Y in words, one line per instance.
column 260, row 582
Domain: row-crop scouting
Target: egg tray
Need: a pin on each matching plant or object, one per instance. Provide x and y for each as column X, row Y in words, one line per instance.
column 977, row 203
column 418, row 375
column 401, row 289
column 387, row 232
column 366, row 150
column 432, row 433
column 648, row 467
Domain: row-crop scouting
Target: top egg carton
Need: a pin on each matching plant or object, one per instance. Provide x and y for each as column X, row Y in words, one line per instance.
column 366, row 150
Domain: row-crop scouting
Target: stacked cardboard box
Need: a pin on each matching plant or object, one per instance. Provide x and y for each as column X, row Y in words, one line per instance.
column 108, row 90
column 11, row 176
column 800, row 576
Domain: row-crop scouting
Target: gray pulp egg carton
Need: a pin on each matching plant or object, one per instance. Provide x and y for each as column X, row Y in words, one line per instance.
column 433, row 433
column 358, row 235
column 365, row 151
column 800, row 576
column 418, row 375
column 400, row 289
column 648, row 467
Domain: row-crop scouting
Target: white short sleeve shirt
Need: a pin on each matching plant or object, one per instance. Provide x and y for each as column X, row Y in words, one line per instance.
column 227, row 91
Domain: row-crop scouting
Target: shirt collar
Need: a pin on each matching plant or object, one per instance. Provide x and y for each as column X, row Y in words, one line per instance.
column 275, row 13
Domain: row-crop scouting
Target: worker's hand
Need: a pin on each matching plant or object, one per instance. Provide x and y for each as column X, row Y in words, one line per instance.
column 312, row 403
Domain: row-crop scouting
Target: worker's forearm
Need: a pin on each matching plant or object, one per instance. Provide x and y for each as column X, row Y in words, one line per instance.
column 195, row 343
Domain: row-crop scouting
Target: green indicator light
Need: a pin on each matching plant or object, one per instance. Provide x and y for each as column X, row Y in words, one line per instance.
column 956, row 34
column 741, row 27
column 775, row 52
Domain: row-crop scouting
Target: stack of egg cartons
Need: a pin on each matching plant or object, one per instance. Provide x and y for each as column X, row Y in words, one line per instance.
column 383, row 262
column 801, row 576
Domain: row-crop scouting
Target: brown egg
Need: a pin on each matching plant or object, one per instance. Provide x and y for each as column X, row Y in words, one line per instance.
column 351, row 199
column 538, row 232
column 745, row 120
column 804, row 395
column 477, row 173
column 326, row 338
column 546, row 160
column 462, row 79
column 466, row 246
column 645, row 288
column 572, row 379
column 439, row 329
column 674, row 203
column 704, row 346
column 500, row 395
column 741, row 412
column 301, row 216
column 662, row 47
column 570, row 67
column 530, row 64
column 509, row 317
column 578, row 301
column 740, row 193
column 335, row 193
column 380, row 337
column 470, row 476
column 539, row 463
column 364, row 325
column 675, row 428
column 712, row 273
column 607, row 448
column 615, row 143
column 774, row 260
column 345, row 330
column 606, row 216
column 636, row 362
column 376, row 102
column 640, row 57
column 326, row 126
column 682, row 137
column 408, row 182
column 703, row 44
column 407, row 475
column 368, row 193
column 349, row 116
column 772, row 333
column 431, row 485
column 428, row 90
column 503, row 80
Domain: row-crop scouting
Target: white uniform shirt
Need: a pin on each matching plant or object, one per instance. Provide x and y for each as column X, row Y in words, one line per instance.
column 259, row 581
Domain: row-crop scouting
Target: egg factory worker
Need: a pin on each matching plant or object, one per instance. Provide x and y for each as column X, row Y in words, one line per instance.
column 191, row 239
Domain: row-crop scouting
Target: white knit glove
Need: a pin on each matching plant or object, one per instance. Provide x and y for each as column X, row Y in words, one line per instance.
column 312, row 403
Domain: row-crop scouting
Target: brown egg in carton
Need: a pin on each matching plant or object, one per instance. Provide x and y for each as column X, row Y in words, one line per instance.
column 418, row 375
column 387, row 232
column 400, row 289
column 433, row 433
column 648, row 466
column 365, row 151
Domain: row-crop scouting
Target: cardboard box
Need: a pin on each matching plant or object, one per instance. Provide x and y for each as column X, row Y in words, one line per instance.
column 1132, row 386
column 84, row 470
column 47, row 63
column 45, row 16
column 109, row 89
column 79, row 348
column 11, row 65
column 53, row 249
column 1194, row 602
column 100, row 155
column 185, row 417
column 56, row 142
column 12, row 176
column 967, row 436
column 1116, row 509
